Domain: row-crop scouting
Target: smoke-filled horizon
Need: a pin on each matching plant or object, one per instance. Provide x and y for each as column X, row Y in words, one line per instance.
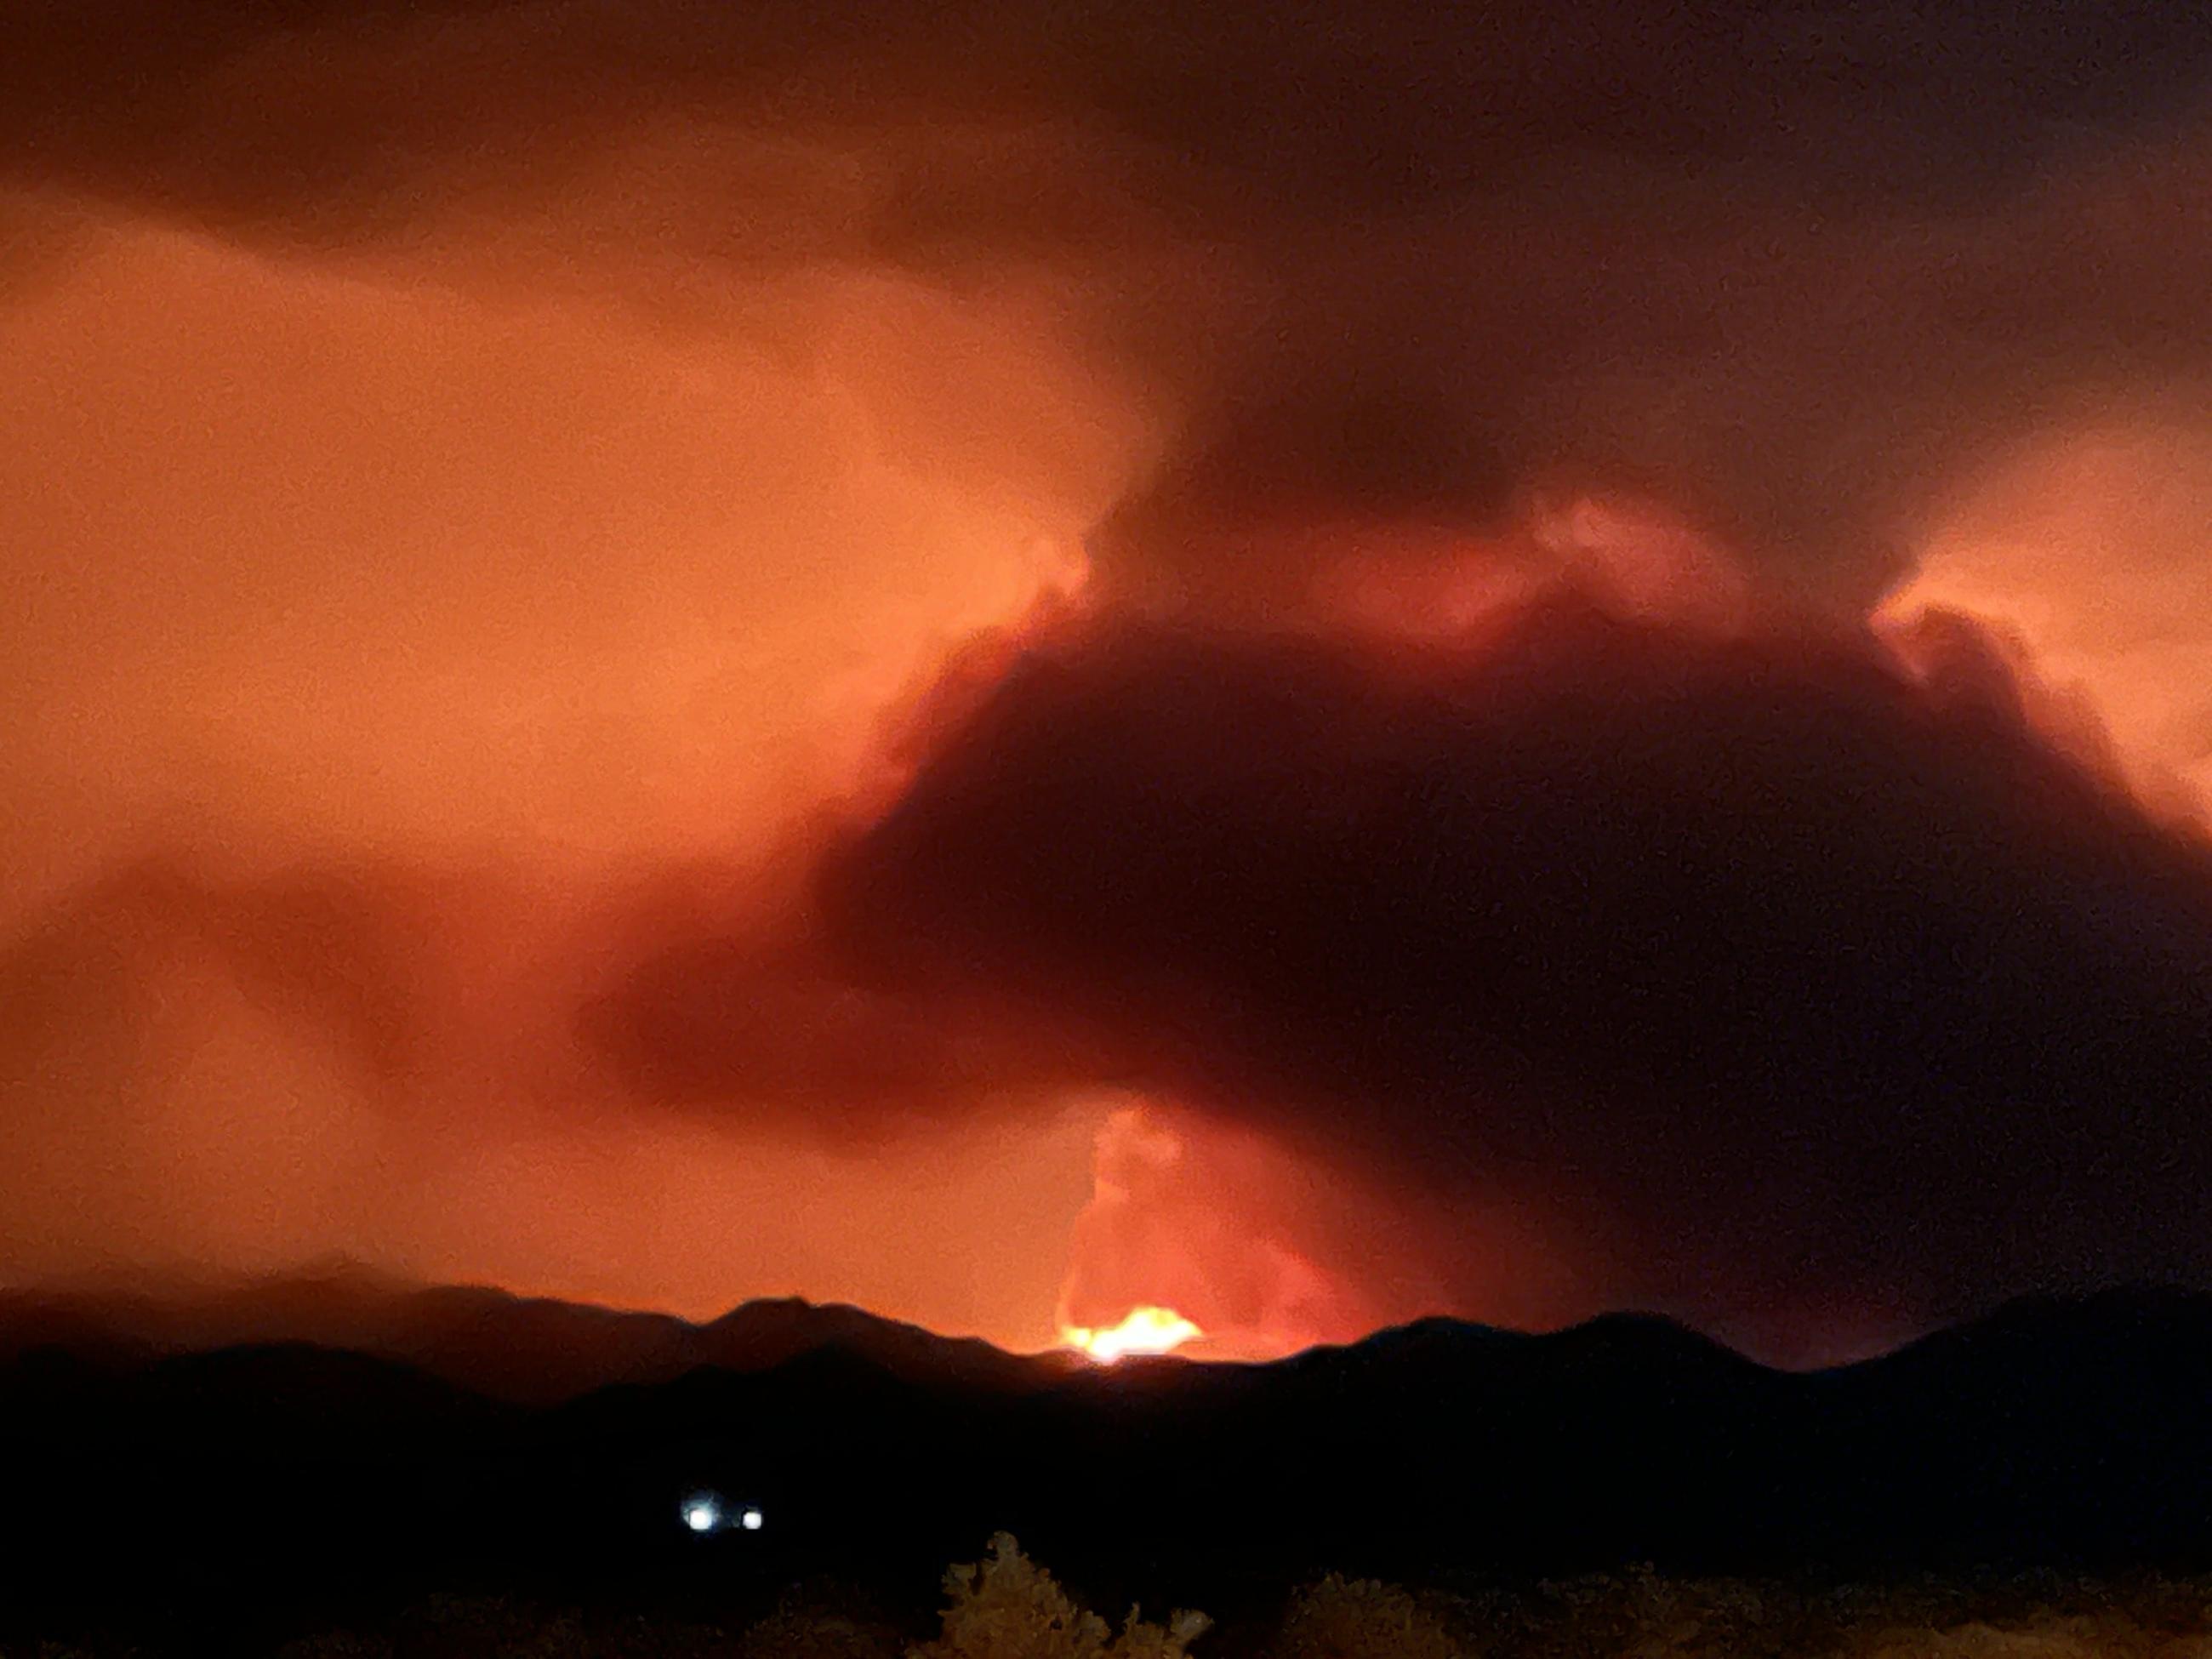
column 666, row 652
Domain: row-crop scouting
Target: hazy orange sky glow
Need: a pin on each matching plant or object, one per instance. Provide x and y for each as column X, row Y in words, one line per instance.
column 380, row 630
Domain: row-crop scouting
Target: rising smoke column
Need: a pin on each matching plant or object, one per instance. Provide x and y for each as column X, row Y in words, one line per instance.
column 1769, row 976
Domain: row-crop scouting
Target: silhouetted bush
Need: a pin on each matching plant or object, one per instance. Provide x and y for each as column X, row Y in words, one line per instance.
column 823, row 1621
column 1005, row 1607
column 338, row 1645
column 1341, row 1618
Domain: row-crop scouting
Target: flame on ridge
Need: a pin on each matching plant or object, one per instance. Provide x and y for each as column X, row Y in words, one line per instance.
column 1146, row 1330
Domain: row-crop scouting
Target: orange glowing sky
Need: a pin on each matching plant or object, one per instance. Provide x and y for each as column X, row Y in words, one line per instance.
column 316, row 567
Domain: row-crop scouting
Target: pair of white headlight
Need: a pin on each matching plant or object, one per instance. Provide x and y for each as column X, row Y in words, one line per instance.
column 705, row 1512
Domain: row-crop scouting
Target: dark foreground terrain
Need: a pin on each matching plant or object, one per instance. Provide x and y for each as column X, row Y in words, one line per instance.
column 238, row 1500
column 1005, row 1607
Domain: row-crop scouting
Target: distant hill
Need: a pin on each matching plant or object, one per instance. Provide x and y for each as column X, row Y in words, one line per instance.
column 533, row 1349
column 294, row 1478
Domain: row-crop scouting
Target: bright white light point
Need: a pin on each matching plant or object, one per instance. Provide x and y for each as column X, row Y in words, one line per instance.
column 750, row 1520
column 700, row 1515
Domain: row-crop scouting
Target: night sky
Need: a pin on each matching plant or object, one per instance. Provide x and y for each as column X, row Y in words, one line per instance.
column 1312, row 664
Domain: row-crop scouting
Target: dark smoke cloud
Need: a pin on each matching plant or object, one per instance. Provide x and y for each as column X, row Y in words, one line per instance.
column 1792, row 267
column 728, row 987
column 1321, row 108
column 1804, row 984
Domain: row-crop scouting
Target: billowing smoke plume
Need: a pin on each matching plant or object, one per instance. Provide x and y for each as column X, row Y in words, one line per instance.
column 479, row 478
column 1765, row 975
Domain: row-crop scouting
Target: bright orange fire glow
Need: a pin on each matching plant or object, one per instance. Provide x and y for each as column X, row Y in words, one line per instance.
column 1144, row 1330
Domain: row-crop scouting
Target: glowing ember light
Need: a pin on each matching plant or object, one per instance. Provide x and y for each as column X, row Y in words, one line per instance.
column 1146, row 1330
